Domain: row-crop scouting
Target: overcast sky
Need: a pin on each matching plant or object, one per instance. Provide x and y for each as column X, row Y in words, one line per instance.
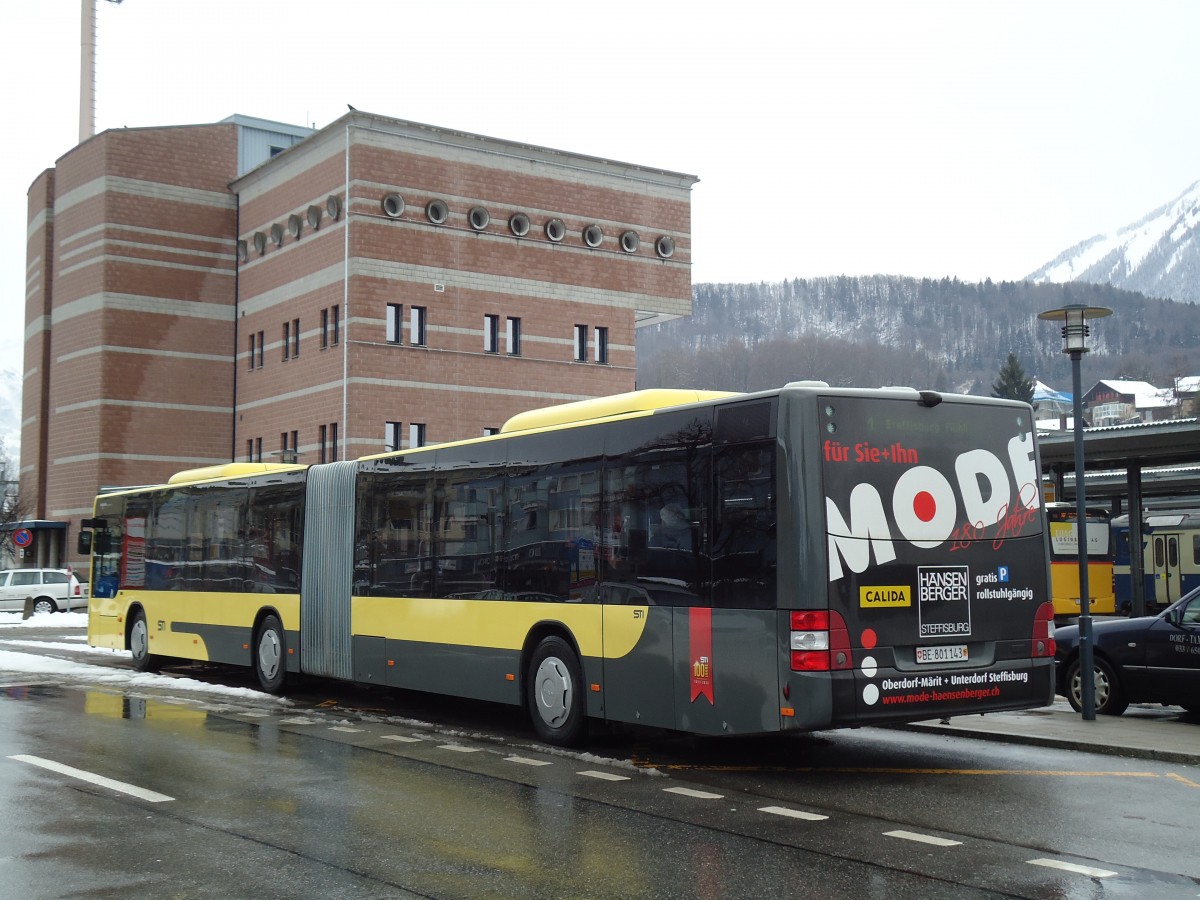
column 968, row 139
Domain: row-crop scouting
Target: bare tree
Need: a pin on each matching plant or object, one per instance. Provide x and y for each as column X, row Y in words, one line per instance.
column 12, row 510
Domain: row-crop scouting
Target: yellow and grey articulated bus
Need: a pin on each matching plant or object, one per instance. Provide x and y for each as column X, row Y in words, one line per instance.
column 799, row 559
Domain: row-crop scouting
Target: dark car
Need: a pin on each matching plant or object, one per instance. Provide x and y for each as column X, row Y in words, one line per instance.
column 1150, row 659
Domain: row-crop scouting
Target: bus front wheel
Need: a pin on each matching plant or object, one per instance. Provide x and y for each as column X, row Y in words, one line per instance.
column 270, row 655
column 139, row 644
column 554, row 693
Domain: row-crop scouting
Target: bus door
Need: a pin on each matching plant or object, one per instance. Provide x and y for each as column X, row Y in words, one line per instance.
column 1164, row 558
column 728, row 678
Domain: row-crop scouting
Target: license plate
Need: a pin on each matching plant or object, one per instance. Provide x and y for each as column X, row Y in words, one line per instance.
column 948, row 653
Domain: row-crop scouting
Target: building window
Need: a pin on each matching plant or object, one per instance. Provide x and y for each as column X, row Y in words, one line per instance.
column 392, row 432
column 489, row 431
column 581, row 342
column 258, row 449
column 289, row 446
column 491, row 334
column 324, row 328
column 295, row 337
column 601, row 345
column 416, row 326
column 512, row 337
column 253, row 345
column 287, row 340
column 333, row 442
column 322, row 436
column 416, row 435
column 262, row 355
column 337, row 322
column 249, row 449
column 395, row 322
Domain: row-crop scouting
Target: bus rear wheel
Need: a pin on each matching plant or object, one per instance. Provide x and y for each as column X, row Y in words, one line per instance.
column 554, row 693
column 139, row 644
column 270, row 655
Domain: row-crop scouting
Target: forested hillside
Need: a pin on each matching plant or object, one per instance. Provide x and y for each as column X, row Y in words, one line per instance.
column 945, row 335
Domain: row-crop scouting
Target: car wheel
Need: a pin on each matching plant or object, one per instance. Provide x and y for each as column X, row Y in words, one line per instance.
column 139, row 644
column 44, row 605
column 1110, row 699
column 270, row 655
column 554, row 693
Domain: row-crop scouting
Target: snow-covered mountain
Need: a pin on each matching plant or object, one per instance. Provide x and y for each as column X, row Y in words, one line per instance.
column 1159, row 255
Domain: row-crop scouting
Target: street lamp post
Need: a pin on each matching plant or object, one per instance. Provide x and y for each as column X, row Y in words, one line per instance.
column 1075, row 331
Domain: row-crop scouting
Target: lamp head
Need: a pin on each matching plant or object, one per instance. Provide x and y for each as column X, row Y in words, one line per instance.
column 1075, row 328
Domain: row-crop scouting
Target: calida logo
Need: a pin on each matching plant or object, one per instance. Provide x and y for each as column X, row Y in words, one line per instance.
column 925, row 508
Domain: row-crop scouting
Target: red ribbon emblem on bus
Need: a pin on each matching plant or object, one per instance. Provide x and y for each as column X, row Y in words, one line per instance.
column 700, row 642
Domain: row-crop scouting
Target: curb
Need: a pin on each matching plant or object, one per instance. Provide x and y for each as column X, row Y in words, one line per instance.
column 1056, row 743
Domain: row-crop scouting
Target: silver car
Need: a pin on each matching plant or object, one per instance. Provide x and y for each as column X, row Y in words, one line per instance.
column 51, row 589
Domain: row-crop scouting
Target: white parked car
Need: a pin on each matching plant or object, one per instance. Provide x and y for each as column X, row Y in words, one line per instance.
column 51, row 589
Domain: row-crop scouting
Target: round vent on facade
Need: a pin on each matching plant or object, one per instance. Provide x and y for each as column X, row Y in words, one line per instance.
column 479, row 218
column 243, row 251
column 519, row 224
column 294, row 225
column 630, row 241
column 665, row 247
column 437, row 211
column 593, row 236
column 393, row 205
column 277, row 234
column 333, row 205
column 314, row 217
column 556, row 230
column 260, row 242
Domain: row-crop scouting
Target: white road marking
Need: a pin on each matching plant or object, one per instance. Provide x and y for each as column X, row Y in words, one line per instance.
column 526, row 761
column 922, row 838
column 297, row 722
column 345, row 728
column 699, row 795
column 458, row 748
column 92, row 778
column 793, row 813
column 603, row 776
column 402, row 738
column 1071, row 867
column 255, row 714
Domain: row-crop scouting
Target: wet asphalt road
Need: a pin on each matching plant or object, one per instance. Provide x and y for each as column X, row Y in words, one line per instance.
column 344, row 792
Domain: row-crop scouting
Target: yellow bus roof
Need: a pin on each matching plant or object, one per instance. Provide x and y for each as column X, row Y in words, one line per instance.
column 230, row 470
column 644, row 401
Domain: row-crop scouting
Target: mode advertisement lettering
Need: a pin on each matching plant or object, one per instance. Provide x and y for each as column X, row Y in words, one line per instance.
column 935, row 551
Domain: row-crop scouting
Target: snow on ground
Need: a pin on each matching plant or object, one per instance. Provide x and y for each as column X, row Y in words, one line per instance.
column 16, row 662
column 42, row 620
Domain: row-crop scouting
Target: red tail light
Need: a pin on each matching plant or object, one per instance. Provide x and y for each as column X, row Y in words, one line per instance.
column 819, row 641
column 1043, row 644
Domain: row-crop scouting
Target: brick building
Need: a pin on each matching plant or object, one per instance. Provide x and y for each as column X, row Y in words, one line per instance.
column 254, row 291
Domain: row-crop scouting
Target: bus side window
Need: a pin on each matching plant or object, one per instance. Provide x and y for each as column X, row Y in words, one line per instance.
column 743, row 552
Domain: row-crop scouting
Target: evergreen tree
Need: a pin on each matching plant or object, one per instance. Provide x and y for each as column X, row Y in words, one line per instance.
column 1013, row 383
